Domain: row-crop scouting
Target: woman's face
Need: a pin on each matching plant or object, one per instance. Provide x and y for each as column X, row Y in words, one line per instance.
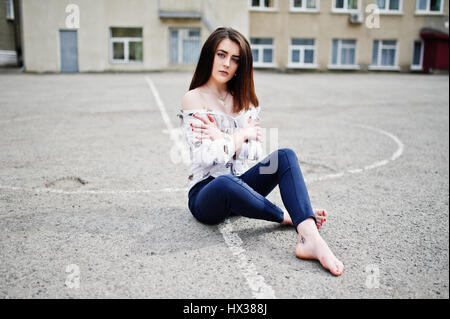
column 226, row 61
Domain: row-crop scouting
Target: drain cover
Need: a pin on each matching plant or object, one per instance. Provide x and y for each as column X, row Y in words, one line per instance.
column 66, row 183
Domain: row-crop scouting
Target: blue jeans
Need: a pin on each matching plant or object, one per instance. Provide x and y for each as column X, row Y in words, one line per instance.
column 214, row 199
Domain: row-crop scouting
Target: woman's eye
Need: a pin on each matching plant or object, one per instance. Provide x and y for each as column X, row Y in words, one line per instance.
column 223, row 55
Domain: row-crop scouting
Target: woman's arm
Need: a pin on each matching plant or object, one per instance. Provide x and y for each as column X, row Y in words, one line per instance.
column 239, row 138
column 252, row 147
column 204, row 150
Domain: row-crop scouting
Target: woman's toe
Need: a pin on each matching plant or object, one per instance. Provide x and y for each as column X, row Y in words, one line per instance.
column 339, row 267
column 319, row 212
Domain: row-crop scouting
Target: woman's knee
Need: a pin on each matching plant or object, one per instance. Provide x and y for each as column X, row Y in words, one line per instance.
column 289, row 153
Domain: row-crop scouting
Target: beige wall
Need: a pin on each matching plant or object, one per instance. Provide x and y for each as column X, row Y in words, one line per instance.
column 43, row 19
column 282, row 25
column 233, row 13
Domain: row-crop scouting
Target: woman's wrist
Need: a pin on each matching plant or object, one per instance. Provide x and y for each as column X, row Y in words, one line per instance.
column 243, row 133
column 237, row 136
column 238, row 139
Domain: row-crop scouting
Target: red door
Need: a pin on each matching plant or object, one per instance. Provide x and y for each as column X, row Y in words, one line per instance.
column 435, row 54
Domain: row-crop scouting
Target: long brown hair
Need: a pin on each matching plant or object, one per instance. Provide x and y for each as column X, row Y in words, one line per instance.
column 240, row 86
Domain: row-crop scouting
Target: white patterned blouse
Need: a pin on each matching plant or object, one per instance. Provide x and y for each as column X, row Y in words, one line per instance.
column 218, row 157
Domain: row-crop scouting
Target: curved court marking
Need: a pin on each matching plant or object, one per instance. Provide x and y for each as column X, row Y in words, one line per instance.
column 398, row 152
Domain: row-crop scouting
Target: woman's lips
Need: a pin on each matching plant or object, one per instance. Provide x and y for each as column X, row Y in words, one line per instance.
column 223, row 72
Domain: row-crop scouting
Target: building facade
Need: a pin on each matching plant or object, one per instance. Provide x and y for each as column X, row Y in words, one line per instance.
column 345, row 34
column 150, row 35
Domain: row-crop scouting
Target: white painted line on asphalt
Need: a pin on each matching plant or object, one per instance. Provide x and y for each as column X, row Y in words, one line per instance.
column 377, row 164
column 173, row 133
column 21, row 119
column 93, row 191
column 256, row 282
column 13, row 188
column 260, row 289
column 178, row 152
column 355, row 171
column 159, row 102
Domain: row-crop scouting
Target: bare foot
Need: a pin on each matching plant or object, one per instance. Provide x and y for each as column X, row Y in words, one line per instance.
column 314, row 246
column 319, row 213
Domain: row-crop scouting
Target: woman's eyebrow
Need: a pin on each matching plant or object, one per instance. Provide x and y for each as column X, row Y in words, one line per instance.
column 227, row 52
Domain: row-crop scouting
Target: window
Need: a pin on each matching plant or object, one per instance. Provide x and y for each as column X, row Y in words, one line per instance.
column 384, row 56
column 417, row 57
column 305, row 5
column 429, row 6
column 9, row 10
column 346, row 5
column 184, row 46
column 302, row 53
column 262, row 51
column 343, row 54
column 126, row 45
column 263, row 5
column 389, row 6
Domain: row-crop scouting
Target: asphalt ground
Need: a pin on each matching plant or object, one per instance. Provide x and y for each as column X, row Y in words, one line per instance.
column 93, row 202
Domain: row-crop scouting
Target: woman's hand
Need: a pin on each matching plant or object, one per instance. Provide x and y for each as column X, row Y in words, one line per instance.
column 251, row 130
column 208, row 129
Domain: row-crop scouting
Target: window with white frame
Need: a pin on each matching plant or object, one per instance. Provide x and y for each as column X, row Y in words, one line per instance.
column 305, row 5
column 126, row 45
column 302, row 53
column 384, row 54
column 263, row 5
column 346, row 5
column 262, row 51
column 417, row 56
column 9, row 10
column 429, row 6
column 343, row 53
column 184, row 45
column 389, row 6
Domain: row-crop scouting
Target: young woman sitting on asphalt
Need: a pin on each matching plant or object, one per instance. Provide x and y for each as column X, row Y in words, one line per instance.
column 220, row 120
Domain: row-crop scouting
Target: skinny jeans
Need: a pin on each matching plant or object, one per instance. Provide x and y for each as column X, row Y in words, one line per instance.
column 213, row 199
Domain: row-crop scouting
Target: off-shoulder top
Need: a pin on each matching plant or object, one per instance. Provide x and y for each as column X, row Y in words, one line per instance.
column 218, row 157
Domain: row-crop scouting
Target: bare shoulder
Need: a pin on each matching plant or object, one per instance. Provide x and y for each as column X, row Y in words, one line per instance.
column 192, row 100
